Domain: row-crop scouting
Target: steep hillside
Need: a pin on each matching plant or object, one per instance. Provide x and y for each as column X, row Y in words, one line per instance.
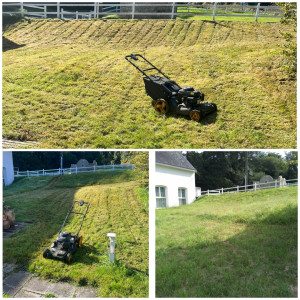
column 66, row 84
column 234, row 245
column 115, row 206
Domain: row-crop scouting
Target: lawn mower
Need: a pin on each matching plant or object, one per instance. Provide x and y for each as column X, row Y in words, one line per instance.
column 67, row 243
column 168, row 96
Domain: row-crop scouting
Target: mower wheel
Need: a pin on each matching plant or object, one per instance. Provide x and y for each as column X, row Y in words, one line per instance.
column 161, row 106
column 195, row 115
column 46, row 253
column 68, row 258
column 79, row 241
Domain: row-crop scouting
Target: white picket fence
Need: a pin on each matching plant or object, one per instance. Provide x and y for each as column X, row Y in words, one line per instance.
column 250, row 187
column 98, row 10
column 76, row 170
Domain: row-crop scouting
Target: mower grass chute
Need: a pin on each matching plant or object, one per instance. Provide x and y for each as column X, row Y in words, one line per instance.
column 168, row 96
column 67, row 243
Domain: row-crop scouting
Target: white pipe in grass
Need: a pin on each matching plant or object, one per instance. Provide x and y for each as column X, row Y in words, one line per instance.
column 112, row 238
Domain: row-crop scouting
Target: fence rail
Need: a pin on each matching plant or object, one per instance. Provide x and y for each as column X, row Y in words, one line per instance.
column 75, row 170
column 98, row 10
column 251, row 187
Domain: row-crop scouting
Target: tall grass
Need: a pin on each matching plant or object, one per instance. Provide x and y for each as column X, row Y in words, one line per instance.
column 70, row 86
column 237, row 245
column 115, row 206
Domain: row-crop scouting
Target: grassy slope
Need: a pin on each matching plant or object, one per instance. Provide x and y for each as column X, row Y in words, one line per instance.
column 69, row 85
column 237, row 245
column 115, row 207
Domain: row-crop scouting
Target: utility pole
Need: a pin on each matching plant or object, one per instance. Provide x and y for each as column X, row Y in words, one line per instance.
column 61, row 162
column 246, row 170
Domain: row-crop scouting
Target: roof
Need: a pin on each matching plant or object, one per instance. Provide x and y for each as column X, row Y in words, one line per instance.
column 174, row 159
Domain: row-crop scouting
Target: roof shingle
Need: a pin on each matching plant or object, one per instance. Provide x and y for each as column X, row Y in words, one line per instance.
column 173, row 158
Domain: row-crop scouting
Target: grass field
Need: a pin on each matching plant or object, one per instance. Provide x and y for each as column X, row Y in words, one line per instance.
column 116, row 205
column 235, row 245
column 66, row 84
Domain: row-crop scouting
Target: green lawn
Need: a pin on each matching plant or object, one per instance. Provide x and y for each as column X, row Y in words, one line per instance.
column 117, row 204
column 66, row 84
column 233, row 245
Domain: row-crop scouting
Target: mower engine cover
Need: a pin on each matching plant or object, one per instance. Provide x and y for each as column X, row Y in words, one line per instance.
column 160, row 88
column 190, row 96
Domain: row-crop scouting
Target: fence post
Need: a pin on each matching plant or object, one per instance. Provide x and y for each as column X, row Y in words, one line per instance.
column 98, row 8
column 254, row 186
column 76, row 170
column 22, row 9
column 58, row 10
column 207, row 192
column 45, row 11
column 275, row 183
column 222, row 191
column 257, row 12
column 173, row 10
column 237, row 188
column 133, row 10
column 43, row 172
column 95, row 10
column 214, row 12
column 62, row 14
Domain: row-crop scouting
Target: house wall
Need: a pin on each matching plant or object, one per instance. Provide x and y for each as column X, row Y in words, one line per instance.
column 8, row 168
column 174, row 178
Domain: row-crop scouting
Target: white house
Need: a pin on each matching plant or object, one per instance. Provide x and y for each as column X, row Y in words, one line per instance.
column 174, row 179
column 8, row 168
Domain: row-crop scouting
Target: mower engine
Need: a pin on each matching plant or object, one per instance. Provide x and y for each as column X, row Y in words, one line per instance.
column 190, row 97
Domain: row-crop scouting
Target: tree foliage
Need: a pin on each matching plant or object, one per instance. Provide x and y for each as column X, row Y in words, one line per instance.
column 38, row 160
column 140, row 159
column 289, row 47
column 227, row 169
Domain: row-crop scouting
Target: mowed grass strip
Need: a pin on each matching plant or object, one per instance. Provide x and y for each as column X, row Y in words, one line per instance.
column 70, row 86
column 235, row 245
column 117, row 204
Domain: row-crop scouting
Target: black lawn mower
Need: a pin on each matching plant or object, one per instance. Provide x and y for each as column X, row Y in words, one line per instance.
column 67, row 243
column 168, row 96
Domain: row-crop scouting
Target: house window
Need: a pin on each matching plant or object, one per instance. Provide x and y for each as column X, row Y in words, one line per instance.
column 161, row 200
column 182, row 196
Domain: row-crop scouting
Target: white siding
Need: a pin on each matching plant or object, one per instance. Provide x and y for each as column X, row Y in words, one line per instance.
column 8, row 168
column 173, row 178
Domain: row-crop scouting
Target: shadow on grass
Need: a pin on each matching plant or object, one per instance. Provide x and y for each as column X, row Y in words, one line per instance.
column 260, row 261
column 9, row 45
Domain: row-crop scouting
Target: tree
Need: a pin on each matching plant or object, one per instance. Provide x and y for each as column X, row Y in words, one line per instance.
column 291, row 160
column 140, row 160
column 289, row 47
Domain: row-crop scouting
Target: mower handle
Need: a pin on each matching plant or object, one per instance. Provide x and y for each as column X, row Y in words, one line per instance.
column 80, row 203
column 136, row 57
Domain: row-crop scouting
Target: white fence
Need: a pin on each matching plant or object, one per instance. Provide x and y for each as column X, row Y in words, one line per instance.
column 76, row 170
column 97, row 10
column 251, row 187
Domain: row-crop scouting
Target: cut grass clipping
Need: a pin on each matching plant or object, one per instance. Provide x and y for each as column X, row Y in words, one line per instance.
column 234, row 245
column 116, row 205
column 66, row 84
